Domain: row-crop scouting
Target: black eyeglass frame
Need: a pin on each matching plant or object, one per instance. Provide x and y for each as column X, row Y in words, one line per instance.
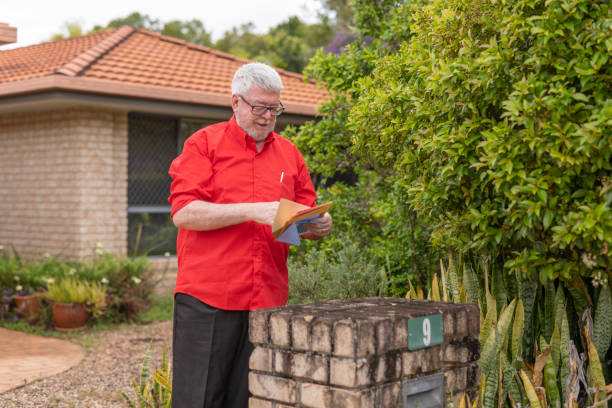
column 274, row 110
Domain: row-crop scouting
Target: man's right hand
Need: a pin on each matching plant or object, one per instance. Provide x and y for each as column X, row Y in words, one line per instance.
column 264, row 213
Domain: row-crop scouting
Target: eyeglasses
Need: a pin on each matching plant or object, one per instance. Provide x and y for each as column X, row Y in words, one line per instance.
column 260, row 110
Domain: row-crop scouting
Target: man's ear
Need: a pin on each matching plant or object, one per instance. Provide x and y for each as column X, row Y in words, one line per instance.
column 235, row 101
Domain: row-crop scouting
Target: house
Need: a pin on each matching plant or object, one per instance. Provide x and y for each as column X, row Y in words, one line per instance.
column 89, row 126
column 8, row 34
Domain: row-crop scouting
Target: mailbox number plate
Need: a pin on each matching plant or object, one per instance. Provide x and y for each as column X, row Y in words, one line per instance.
column 426, row 331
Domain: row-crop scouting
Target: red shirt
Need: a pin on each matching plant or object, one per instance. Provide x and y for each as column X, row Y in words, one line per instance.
column 240, row 267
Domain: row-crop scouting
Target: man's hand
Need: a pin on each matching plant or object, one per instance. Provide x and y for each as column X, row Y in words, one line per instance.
column 264, row 213
column 319, row 230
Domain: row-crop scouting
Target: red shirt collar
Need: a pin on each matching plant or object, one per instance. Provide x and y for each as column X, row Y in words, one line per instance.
column 243, row 137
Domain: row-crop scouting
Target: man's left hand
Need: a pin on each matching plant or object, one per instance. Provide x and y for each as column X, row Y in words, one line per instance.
column 320, row 229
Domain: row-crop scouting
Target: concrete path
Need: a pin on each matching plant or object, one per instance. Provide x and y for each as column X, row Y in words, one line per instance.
column 25, row 357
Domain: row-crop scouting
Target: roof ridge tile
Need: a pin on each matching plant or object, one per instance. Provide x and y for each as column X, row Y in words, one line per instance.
column 79, row 63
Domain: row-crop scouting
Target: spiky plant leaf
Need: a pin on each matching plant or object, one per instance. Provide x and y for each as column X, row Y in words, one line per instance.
column 496, row 339
column 454, row 284
column 508, row 383
column 472, row 284
column 555, row 344
column 435, row 289
column 144, row 372
column 596, row 377
column 127, row 399
column 463, row 295
column 498, row 287
column 550, row 377
column 559, row 304
column 517, row 331
column 491, row 388
column 462, row 401
column 549, row 308
column 443, row 279
column 564, row 352
column 490, row 318
column 530, row 289
column 530, row 391
column 579, row 293
column 602, row 322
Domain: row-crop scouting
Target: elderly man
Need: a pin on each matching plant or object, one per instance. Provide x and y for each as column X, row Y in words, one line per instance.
column 226, row 187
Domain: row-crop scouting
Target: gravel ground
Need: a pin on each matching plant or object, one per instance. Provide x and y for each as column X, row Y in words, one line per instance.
column 113, row 359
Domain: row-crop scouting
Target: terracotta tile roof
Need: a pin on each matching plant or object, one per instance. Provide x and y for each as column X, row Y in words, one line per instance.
column 147, row 60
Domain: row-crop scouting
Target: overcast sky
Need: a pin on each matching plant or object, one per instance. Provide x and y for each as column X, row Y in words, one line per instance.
column 37, row 20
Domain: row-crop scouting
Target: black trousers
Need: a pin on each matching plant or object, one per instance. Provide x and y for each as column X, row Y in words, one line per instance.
column 211, row 351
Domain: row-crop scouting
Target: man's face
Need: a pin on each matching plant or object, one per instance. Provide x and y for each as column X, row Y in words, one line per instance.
column 258, row 127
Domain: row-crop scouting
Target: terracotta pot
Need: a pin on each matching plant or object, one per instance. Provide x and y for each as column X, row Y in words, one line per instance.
column 69, row 316
column 27, row 305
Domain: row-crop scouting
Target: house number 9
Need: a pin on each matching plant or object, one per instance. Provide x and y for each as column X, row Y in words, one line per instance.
column 426, row 332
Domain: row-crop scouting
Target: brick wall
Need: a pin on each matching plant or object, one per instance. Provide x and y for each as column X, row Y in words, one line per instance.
column 63, row 182
column 354, row 353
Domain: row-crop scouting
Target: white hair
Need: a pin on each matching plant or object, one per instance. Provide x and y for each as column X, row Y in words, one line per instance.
column 256, row 73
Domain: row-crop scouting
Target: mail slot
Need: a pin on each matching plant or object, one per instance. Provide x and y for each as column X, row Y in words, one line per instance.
column 424, row 392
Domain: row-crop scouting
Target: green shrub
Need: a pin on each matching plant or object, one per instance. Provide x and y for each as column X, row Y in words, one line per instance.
column 347, row 273
column 128, row 281
column 497, row 119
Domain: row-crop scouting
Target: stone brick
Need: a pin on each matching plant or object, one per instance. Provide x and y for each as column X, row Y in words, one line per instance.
column 259, row 403
column 388, row 368
column 456, row 353
column 391, row 395
column 349, row 373
column 261, row 359
column 400, row 334
column 282, row 362
column 384, row 336
column 366, row 338
column 300, row 332
column 449, row 325
column 341, row 398
column 274, row 388
column 310, row 366
column 280, row 329
column 421, row 361
column 461, row 322
column 455, row 380
column 321, row 336
column 344, row 338
column 314, row 395
column 258, row 327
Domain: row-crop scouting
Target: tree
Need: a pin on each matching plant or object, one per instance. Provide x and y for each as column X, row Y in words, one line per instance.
column 71, row 29
column 498, row 121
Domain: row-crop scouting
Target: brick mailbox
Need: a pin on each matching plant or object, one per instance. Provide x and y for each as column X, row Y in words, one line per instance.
column 361, row 353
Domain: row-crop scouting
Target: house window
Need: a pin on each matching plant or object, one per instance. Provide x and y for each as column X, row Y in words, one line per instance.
column 153, row 142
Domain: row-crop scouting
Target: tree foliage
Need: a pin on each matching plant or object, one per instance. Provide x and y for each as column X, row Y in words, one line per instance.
column 504, row 138
column 493, row 117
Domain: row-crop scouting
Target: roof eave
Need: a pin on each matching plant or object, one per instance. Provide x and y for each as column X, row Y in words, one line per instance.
column 57, row 82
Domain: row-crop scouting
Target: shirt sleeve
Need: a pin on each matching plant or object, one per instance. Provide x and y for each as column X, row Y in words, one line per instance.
column 304, row 190
column 191, row 174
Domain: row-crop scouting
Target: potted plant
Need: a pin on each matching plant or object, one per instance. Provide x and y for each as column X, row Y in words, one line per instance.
column 27, row 301
column 73, row 301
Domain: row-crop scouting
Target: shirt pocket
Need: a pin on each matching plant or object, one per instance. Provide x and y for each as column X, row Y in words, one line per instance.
column 286, row 187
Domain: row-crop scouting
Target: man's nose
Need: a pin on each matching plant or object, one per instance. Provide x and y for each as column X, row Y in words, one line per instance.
column 268, row 114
